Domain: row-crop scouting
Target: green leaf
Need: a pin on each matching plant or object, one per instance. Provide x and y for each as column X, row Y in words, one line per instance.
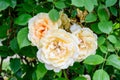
column 3, row 4
column 13, row 3
column 116, row 26
column 101, row 75
column 3, row 31
column 105, row 27
column 94, row 60
column 22, row 37
column 60, row 4
column 22, row 19
column 95, row 2
column 59, row 74
column 112, row 38
column 77, row 68
column 5, row 51
column 119, row 3
column 110, row 2
column 28, row 69
column 110, row 47
column 29, row 51
column 91, row 17
column 50, row 0
column 14, row 45
column 25, row 7
column 101, row 40
column 59, row 79
column 89, row 68
column 78, row 3
column 13, row 78
column 15, row 64
column 54, row 15
column 114, row 60
column 103, row 49
column 89, row 5
column 40, row 71
column 0, row 15
column 39, row 9
column 94, row 27
column 117, row 45
column 34, row 77
column 103, row 13
column 80, row 78
column 114, row 11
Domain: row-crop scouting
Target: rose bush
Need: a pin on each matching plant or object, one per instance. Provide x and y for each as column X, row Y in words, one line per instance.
column 60, row 52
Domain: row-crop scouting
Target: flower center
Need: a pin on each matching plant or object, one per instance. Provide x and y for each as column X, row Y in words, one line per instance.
column 57, row 47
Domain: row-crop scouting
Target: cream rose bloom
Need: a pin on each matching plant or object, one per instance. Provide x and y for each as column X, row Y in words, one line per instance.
column 39, row 25
column 87, row 41
column 59, row 50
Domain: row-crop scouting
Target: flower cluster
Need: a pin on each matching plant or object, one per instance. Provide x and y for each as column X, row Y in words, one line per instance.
column 58, row 48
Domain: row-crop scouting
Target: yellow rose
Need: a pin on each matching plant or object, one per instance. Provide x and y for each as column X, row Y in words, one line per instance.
column 87, row 41
column 59, row 50
column 39, row 25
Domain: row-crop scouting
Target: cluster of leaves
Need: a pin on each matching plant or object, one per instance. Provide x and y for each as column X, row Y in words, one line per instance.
column 102, row 18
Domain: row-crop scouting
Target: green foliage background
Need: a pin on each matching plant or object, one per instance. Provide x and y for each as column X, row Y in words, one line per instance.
column 103, row 18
